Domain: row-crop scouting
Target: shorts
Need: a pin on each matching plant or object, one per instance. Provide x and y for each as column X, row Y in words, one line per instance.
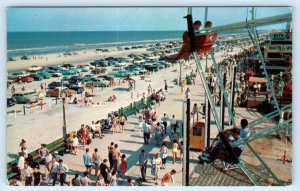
column 164, row 160
column 88, row 166
column 122, row 123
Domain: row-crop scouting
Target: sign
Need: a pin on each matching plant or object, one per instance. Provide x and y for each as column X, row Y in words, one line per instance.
column 279, row 48
column 281, row 36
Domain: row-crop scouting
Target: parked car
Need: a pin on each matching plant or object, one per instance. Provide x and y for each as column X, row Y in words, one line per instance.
column 53, row 85
column 58, row 92
column 124, row 73
column 98, row 82
column 26, row 97
column 56, row 74
column 37, row 77
column 25, row 79
column 11, row 102
column 78, row 89
column 120, row 64
column 108, row 78
column 15, row 75
column 45, row 75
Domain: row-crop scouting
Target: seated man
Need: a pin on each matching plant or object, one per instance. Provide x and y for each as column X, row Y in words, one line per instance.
column 218, row 149
column 96, row 129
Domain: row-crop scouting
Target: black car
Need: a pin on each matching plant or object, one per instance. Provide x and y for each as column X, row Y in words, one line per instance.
column 78, row 89
column 11, row 102
column 53, row 85
column 108, row 78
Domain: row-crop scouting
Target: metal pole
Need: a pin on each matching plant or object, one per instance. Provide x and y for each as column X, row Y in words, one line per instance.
column 223, row 104
column 185, row 131
column 180, row 75
column 205, row 14
column 233, row 89
column 64, row 120
column 24, row 110
column 188, row 112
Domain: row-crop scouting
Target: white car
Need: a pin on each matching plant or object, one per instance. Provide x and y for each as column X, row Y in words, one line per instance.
column 121, row 64
column 34, row 68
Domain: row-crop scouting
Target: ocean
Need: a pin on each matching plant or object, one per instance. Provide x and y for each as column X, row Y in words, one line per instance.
column 34, row 43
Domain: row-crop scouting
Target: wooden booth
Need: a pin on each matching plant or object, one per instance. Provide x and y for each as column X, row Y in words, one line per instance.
column 197, row 135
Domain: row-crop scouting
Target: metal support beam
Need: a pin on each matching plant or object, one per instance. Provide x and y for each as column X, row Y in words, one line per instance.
column 206, row 88
column 185, row 131
column 256, row 43
column 244, row 24
column 222, row 85
column 222, row 103
column 252, row 179
column 264, row 165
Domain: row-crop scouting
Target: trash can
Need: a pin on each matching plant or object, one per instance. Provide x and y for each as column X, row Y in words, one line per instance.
column 189, row 80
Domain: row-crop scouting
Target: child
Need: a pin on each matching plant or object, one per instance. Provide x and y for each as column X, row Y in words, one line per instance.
column 123, row 166
column 100, row 180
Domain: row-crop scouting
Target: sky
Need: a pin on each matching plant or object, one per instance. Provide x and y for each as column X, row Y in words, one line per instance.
column 127, row 19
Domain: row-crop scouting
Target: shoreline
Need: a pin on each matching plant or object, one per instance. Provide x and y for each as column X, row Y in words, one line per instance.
column 85, row 55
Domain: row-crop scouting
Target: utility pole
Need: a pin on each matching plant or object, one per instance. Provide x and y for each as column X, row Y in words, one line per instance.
column 64, row 118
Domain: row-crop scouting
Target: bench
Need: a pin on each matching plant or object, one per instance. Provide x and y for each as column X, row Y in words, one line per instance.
column 12, row 171
column 137, row 106
column 57, row 145
column 127, row 111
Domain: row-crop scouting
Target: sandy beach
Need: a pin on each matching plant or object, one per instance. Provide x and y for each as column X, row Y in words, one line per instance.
column 84, row 57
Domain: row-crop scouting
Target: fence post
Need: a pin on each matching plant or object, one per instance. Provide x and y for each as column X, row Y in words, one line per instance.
column 15, row 113
column 24, row 110
column 49, row 103
column 56, row 100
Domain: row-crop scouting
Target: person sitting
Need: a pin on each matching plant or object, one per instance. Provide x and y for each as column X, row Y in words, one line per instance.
column 110, row 99
column 208, row 24
column 114, row 97
column 75, row 101
column 84, row 136
column 218, row 150
column 196, row 26
column 96, row 130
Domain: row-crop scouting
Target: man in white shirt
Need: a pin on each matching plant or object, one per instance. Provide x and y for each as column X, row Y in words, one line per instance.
column 21, row 162
column 28, row 174
column 54, row 171
column 96, row 129
column 48, row 160
column 63, row 169
column 173, row 122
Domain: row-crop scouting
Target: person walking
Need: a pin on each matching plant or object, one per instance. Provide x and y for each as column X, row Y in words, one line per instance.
column 164, row 120
column 122, row 123
column 110, row 150
column 146, row 130
column 48, row 163
column 163, row 154
column 157, row 134
column 63, row 169
column 143, row 160
column 166, row 86
column 115, row 157
column 87, row 159
column 23, row 146
column 21, row 164
column 37, row 176
column 104, row 170
column 28, row 173
column 156, row 164
column 168, row 178
column 97, row 161
column 174, row 150
column 54, row 171
column 123, row 166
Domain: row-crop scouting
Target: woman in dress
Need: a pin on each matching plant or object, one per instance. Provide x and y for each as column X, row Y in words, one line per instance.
column 156, row 164
column 122, row 122
column 163, row 155
column 174, row 150
column 97, row 160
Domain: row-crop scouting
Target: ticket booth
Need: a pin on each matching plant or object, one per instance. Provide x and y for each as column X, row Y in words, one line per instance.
column 197, row 135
